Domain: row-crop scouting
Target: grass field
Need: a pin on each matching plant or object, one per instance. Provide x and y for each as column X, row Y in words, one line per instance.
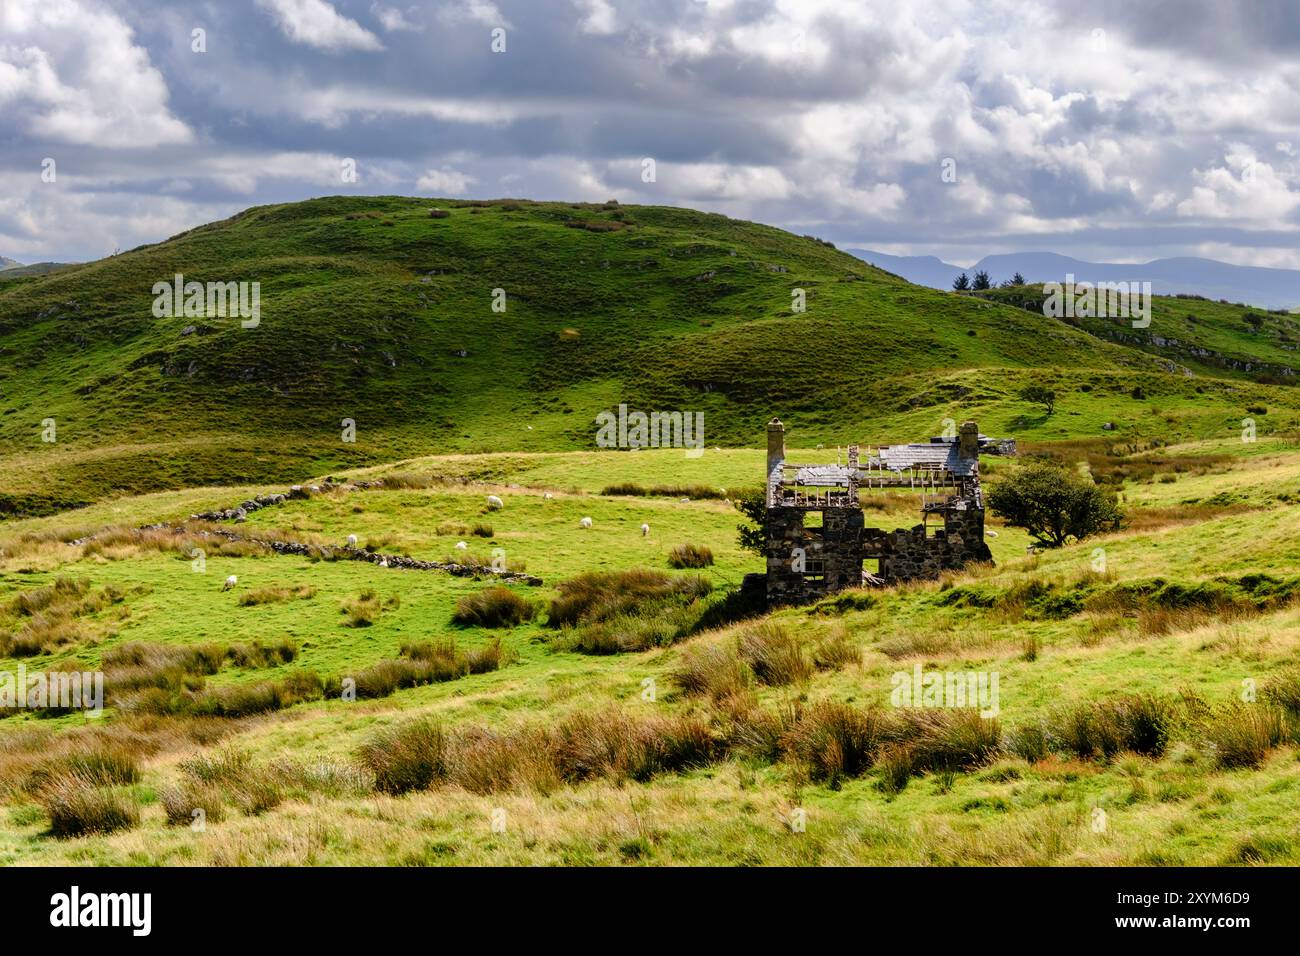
column 566, row 757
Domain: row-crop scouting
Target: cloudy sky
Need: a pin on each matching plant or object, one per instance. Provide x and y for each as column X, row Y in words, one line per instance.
column 1132, row 131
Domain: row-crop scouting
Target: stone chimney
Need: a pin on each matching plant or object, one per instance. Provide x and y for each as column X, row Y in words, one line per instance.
column 968, row 440
column 775, row 445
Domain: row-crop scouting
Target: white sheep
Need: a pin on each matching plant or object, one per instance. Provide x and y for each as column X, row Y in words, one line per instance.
column 352, row 541
column 495, row 503
column 230, row 583
column 548, row 496
column 585, row 522
column 461, row 546
column 991, row 534
column 383, row 562
column 645, row 530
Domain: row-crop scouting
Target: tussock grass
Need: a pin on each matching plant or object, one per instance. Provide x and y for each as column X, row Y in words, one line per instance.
column 694, row 492
column 602, row 595
column 494, row 607
column 364, row 609
column 836, row 650
column 179, row 804
column 276, row 594
column 406, row 757
column 80, row 805
column 690, row 556
column 1240, row 735
column 1141, row 723
column 712, row 668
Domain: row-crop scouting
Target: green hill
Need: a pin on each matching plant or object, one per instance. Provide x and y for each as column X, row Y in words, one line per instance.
column 373, row 310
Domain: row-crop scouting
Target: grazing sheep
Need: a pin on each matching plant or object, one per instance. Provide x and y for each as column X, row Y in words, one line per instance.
column 230, row 583
column 645, row 530
column 461, row 546
column 495, row 503
column 548, row 496
column 585, row 522
column 352, row 541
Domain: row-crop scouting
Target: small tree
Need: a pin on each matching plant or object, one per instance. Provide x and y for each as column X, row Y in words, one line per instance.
column 1053, row 504
column 1017, row 279
column 961, row 283
column 1040, row 395
column 753, row 505
column 982, row 281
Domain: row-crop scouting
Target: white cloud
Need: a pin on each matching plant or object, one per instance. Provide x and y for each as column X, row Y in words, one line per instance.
column 71, row 71
column 444, row 182
column 597, row 17
column 395, row 20
column 315, row 23
column 483, row 12
column 1243, row 188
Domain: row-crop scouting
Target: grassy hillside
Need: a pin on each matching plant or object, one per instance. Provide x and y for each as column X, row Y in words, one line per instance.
column 373, row 310
column 1213, row 338
column 615, row 758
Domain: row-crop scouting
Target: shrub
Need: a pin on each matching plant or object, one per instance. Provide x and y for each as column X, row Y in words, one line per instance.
column 438, row 214
column 690, row 556
column 493, row 607
column 79, row 805
column 406, row 757
column 482, row 530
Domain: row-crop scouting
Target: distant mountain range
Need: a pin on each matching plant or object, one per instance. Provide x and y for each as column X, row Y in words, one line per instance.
column 13, row 269
column 1262, row 288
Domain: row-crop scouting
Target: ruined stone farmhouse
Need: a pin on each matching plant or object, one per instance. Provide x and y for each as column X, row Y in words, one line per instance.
column 816, row 538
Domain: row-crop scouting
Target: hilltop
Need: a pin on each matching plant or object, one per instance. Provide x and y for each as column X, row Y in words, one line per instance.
column 376, row 309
